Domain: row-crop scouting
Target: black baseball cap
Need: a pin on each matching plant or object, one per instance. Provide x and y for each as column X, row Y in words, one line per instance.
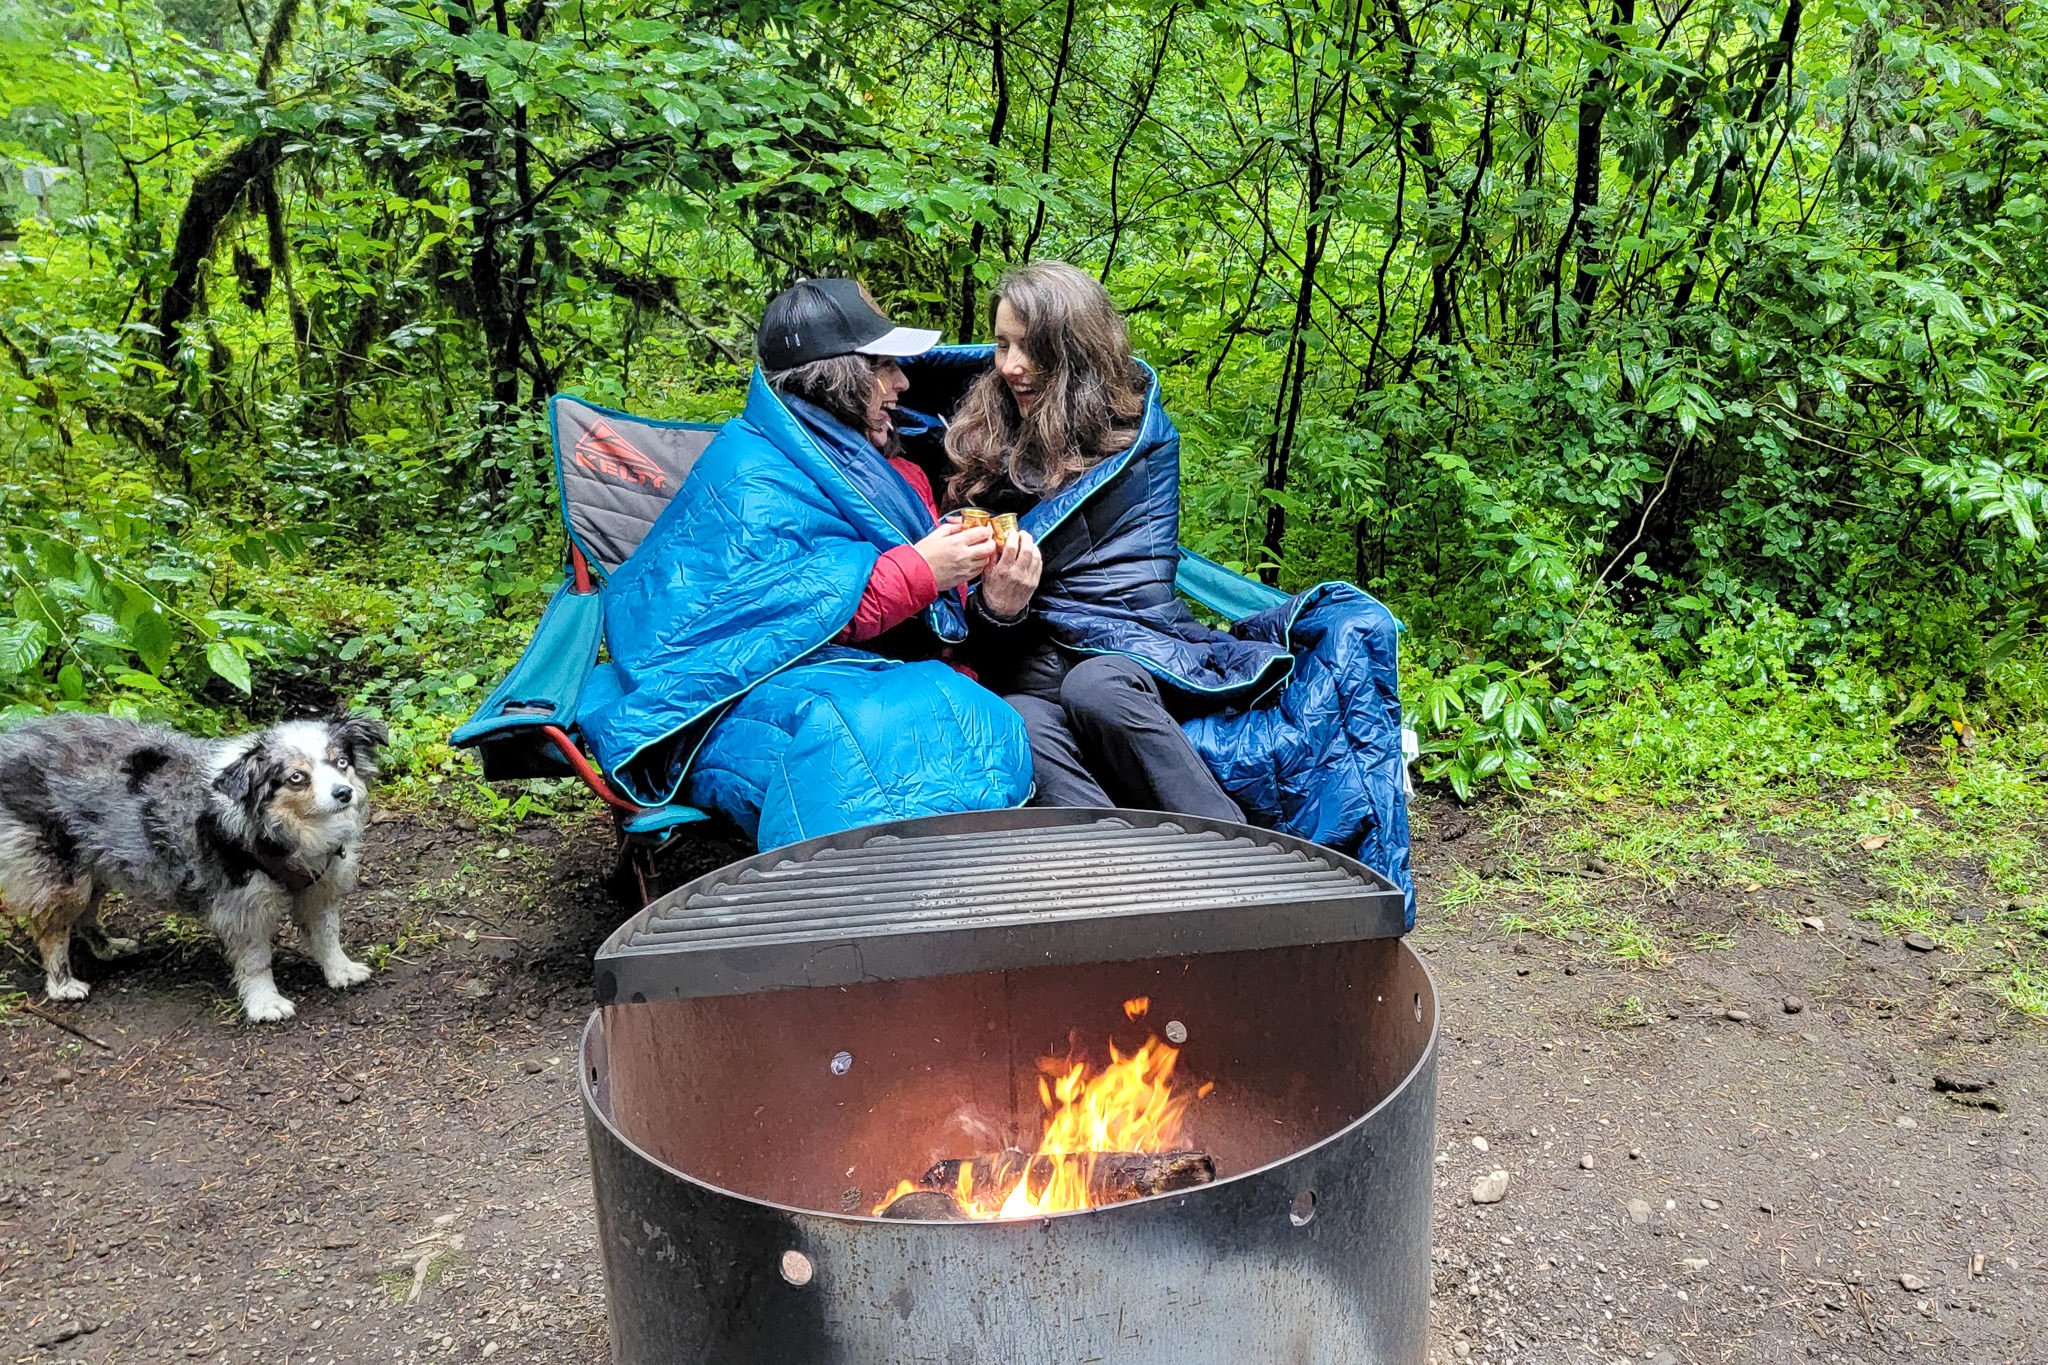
column 818, row 319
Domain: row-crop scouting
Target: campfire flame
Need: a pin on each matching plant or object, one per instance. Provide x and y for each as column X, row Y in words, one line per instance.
column 1132, row 1105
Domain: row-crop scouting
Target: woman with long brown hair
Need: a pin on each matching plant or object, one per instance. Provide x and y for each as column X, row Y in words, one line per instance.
column 1104, row 662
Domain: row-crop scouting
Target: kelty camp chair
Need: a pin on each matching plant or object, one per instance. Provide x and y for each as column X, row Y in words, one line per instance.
column 616, row 473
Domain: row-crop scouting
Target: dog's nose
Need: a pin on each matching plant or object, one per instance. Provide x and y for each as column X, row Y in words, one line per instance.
column 344, row 794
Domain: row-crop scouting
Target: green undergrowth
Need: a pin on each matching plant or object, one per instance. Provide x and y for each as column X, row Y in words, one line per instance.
column 1940, row 830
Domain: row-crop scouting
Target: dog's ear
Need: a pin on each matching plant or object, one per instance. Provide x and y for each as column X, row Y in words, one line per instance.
column 244, row 779
column 360, row 737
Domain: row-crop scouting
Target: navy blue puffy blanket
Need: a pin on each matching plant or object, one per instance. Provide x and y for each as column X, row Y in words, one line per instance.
column 1308, row 737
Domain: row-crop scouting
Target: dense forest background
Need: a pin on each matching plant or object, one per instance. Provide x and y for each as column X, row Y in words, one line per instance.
column 1674, row 370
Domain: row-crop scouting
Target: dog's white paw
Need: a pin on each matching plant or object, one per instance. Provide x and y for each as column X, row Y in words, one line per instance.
column 268, row 1009
column 347, row 972
column 66, row 990
column 107, row 949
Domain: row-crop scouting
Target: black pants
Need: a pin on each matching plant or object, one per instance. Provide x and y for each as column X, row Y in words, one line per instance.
column 1110, row 740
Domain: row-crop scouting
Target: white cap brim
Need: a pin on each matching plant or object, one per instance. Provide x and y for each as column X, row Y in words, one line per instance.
column 901, row 341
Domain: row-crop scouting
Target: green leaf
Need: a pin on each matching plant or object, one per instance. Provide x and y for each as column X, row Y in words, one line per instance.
column 21, row 646
column 150, row 634
column 228, row 664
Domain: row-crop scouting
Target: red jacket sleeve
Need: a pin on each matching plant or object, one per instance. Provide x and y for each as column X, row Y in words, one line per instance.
column 900, row 587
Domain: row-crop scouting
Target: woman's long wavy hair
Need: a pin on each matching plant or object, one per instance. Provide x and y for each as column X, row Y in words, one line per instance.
column 1091, row 390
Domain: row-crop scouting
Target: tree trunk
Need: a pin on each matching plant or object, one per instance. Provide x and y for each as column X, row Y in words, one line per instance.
column 1052, row 104
column 1717, row 206
column 1000, row 76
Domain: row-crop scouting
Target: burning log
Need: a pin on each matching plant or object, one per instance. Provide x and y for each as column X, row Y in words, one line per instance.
column 929, row 1205
column 1112, row 1176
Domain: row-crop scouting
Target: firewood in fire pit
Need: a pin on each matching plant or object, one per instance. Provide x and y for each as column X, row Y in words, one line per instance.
column 1113, row 1177
column 929, row 1205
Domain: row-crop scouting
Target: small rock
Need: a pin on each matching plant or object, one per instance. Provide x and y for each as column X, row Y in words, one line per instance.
column 62, row 1076
column 1912, row 1284
column 1959, row 1084
column 1977, row 1264
column 1905, row 1122
column 1794, row 1005
column 1663, row 1356
column 1814, row 922
column 1635, row 1154
column 530, row 1067
column 1480, row 1143
column 68, row 1330
column 1920, row 943
column 1599, row 867
column 1694, row 1263
column 1871, row 843
column 1586, row 1162
column 1490, row 1188
column 346, row 1094
column 1765, row 1208
column 1462, row 1349
column 1710, row 1203
column 1639, row 1211
column 475, row 988
column 1735, row 1016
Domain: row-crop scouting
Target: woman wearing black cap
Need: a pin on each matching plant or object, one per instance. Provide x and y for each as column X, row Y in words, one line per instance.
column 800, row 531
column 825, row 345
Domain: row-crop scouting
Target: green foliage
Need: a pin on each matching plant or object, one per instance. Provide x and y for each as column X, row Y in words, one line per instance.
column 1676, row 377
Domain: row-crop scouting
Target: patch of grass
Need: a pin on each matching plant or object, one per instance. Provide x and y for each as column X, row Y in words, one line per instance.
column 187, row 934
column 1567, row 914
column 2026, row 990
column 1627, row 1013
column 398, row 1283
column 409, row 940
column 1466, row 888
column 1958, row 848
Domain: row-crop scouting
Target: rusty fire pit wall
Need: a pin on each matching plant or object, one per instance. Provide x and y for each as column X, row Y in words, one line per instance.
column 737, row 1144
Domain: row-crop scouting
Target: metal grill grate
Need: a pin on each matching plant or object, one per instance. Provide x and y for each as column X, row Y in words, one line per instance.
column 991, row 891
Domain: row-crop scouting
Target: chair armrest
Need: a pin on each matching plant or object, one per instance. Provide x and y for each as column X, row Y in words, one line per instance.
column 1230, row 595
column 543, row 686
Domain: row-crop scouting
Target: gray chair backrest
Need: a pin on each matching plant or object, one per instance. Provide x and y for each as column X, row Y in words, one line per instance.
column 617, row 472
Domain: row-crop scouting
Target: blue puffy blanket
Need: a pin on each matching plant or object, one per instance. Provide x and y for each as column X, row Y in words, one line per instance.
column 1306, row 736
column 723, row 682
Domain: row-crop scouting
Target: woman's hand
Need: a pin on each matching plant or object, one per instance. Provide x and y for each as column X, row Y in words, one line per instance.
column 957, row 553
column 1009, row 581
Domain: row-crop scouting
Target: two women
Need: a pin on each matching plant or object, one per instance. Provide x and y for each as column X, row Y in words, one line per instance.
column 789, row 643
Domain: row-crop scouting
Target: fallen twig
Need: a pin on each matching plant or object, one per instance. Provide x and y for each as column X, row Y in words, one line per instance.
column 71, row 1029
column 562, row 1103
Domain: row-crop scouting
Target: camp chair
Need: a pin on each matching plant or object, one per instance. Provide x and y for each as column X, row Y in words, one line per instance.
column 616, row 472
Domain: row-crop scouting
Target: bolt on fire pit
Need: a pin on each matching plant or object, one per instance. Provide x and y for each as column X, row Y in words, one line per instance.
column 783, row 1043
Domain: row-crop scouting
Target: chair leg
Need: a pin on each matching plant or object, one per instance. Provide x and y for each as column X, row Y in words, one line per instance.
column 633, row 880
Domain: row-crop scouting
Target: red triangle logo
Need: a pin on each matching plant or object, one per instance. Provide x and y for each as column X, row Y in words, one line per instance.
column 605, row 453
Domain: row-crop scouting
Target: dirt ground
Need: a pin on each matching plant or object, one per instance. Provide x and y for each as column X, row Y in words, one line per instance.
column 1696, row 1172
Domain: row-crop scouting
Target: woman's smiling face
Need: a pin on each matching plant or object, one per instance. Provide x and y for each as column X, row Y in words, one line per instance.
column 1013, row 361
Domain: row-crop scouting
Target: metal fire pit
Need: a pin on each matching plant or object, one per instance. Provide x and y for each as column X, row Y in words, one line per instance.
column 743, row 1121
